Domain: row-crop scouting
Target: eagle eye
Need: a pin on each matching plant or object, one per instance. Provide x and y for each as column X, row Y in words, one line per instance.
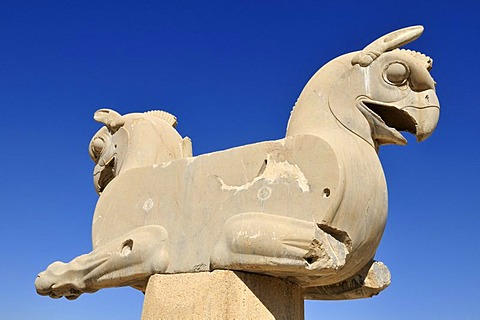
column 396, row 73
column 98, row 145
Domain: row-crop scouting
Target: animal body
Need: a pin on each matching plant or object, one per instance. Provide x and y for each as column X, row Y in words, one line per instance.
column 310, row 207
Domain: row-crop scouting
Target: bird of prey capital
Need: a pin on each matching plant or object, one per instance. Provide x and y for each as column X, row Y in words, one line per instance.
column 310, row 208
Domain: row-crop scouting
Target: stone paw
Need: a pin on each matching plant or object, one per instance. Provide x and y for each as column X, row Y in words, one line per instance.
column 55, row 282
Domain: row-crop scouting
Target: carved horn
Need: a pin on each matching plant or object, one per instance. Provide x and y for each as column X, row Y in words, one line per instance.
column 110, row 118
column 388, row 42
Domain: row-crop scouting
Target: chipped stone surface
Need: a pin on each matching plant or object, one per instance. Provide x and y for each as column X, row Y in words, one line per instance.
column 273, row 172
column 310, row 207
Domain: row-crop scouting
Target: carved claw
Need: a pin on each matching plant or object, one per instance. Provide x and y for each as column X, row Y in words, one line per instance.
column 50, row 283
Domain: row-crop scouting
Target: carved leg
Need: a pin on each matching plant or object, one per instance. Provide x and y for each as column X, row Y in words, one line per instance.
column 269, row 243
column 370, row 281
column 127, row 260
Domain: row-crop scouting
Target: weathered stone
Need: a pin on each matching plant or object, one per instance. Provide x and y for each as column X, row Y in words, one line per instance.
column 310, row 208
column 221, row 294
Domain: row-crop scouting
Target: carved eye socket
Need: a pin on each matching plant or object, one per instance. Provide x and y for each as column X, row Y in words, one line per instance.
column 96, row 148
column 98, row 145
column 396, row 73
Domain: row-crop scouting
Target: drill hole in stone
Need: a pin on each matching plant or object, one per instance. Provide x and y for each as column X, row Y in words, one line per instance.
column 326, row 192
column 311, row 260
column 127, row 247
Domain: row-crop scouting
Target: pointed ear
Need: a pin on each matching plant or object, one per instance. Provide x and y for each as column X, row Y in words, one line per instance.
column 110, row 118
column 388, row 42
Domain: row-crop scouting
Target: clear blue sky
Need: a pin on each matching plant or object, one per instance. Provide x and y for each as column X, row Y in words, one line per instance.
column 231, row 74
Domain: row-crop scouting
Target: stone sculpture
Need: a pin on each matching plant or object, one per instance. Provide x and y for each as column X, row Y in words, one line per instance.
column 310, row 207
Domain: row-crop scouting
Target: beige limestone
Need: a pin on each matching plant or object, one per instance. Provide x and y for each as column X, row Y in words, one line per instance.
column 221, row 294
column 310, row 207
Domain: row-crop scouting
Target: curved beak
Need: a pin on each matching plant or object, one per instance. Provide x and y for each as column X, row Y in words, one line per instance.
column 103, row 173
column 97, row 172
column 417, row 113
column 426, row 112
column 426, row 118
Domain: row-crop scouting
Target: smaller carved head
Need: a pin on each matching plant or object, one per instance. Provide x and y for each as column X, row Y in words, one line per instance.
column 133, row 140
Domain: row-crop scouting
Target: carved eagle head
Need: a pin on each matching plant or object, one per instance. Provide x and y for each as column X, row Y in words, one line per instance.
column 131, row 141
column 392, row 89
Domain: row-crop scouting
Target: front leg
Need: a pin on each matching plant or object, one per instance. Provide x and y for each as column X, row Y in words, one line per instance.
column 260, row 242
column 127, row 260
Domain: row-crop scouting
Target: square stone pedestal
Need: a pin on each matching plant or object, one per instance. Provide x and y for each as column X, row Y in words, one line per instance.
column 221, row 294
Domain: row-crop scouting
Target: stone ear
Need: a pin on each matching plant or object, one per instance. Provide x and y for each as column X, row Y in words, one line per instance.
column 388, row 42
column 110, row 118
column 401, row 37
